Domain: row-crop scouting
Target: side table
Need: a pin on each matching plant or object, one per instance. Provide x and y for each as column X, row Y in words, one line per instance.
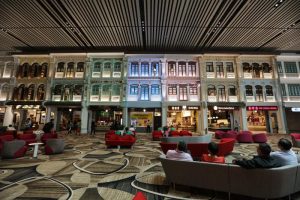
column 36, row 148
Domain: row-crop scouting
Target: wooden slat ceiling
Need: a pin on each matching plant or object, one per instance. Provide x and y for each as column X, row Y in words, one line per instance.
column 243, row 26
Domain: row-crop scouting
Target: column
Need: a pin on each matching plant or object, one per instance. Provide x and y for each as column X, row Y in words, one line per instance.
column 203, row 126
column 84, row 119
column 281, row 120
column 8, row 116
column 244, row 125
column 164, row 115
column 125, row 116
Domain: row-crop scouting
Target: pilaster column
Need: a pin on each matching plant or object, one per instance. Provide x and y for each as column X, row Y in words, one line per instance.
column 125, row 116
column 8, row 116
column 244, row 125
column 164, row 115
column 84, row 119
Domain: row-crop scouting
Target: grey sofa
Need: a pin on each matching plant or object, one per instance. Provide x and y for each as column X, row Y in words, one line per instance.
column 258, row 183
column 188, row 139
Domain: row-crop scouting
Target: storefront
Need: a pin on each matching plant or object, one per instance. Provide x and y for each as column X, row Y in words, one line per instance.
column 222, row 117
column 106, row 116
column 292, row 119
column 262, row 118
column 183, row 117
column 141, row 117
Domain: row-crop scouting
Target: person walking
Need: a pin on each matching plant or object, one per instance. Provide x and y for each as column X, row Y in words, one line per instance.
column 93, row 128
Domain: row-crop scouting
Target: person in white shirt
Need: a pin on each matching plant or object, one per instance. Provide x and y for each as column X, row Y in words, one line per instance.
column 131, row 128
column 179, row 153
column 10, row 128
column 285, row 156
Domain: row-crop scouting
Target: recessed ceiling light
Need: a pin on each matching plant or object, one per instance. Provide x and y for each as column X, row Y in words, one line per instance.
column 276, row 5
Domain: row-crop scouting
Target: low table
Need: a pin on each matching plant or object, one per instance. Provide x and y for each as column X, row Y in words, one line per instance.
column 36, row 148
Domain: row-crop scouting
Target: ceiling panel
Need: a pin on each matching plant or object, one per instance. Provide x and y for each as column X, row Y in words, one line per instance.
column 243, row 26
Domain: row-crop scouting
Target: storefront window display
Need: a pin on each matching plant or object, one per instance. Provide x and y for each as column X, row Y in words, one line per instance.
column 220, row 117
column 183, row 117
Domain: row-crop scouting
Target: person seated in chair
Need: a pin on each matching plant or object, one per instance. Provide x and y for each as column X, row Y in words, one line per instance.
column 262, row 160
column 285, row 156
column 127, row 131
column 131, row 128
column 212, row 156
column 180, row 153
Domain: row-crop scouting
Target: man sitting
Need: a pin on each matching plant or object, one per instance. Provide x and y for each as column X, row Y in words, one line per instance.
column 262, row 160
column 127, row 131
column 179, row 153
column 285, row 155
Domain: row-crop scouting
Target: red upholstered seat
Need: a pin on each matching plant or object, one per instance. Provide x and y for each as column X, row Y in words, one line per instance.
column 259, row 138
column 244, row 138
column 174, row 133
column 47, row 136
column 28, row 138
column 156, row 135
column 167, row 146
column 226, row 146
column 197, row 149
column 4, row 138
column 295, row 139
column 185, row 133
column 117, row 140
column 28, row 132
column 13, row 133
column 219, row 134
column 139, row 196
column 230, row 134
column 249, row 132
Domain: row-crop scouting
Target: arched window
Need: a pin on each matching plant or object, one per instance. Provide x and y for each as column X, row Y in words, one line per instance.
column 269, row 90
column 155, row 90
column 21, row 92
column 60, row 67
column 231, row 90
column 8, row 69
column 117, row 69
column 221, row 93
column 171, row 68
column 145, row 92
column 43, row 70
column 41, row 92
column 4, row 92
column 23, row 70
column 259, row 93
column 256, row 70
column 106, row 70
column 68, row 90
column 247, row 68
column 95, row 89
column 15, row 94
column 34, row 70
column 30, row 94
column 70, row 70
column 97, row 67
column 266, row 68
column 155, row 68
column 181, row 68
column 249, row 90
column 80, row 67
column 105, row 90
column 2, row 65
column 211, row 90
column 192, row 68
column 134, row 89
column 229, row 67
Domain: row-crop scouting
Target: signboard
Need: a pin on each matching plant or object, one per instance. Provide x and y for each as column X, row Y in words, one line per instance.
column 141, row 119
column 250, row 108
column 226, row 107
column 187, row 108
column 295, row 109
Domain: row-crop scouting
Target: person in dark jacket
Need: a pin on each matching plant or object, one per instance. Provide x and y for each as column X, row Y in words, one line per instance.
column 262, row 160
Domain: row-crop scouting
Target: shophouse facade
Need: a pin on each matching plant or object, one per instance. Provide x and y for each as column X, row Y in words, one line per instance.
column 289, row 77
column 196, row 92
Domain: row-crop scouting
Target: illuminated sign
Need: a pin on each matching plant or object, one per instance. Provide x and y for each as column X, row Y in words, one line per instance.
column 226, row 108
column 175, row 108
column 193, row 108
column 184, row 108
column 262, row 108
column 295, row 109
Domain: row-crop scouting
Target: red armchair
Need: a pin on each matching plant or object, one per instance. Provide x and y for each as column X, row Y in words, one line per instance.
column 197, row 149
column 226, row 146
column 117, row 140
column 13, row 133
column 47, row 136
column 295, row 139
column 28, row 138
column 156, row 135
column 174, row 134
column 219, row 134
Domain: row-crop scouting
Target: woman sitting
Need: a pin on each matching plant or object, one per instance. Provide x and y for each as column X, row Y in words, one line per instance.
column 212, row 156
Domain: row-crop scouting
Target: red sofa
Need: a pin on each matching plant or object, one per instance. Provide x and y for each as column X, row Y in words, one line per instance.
column 4, row 138
column 226, row 146
column 117, row 140
column 185, row 133
column 295, row 139
column 156, row 135
column 28, row 138
column 47, row 136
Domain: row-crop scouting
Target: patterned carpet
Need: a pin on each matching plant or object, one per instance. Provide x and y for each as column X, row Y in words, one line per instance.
column 87, row 170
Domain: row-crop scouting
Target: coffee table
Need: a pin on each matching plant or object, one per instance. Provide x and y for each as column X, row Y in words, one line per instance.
column 36, row 148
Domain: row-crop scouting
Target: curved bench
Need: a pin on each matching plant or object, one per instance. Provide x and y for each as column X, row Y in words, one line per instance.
column 257, row 183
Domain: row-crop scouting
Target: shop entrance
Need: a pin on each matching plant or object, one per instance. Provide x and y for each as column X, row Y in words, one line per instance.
column 183, row 119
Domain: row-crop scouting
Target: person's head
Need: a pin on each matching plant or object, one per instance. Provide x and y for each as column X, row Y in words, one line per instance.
column 126, row 129
column 284, row 144
column 213, row 148
column 264, row 150
column 181, row 146
column 10, row 125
